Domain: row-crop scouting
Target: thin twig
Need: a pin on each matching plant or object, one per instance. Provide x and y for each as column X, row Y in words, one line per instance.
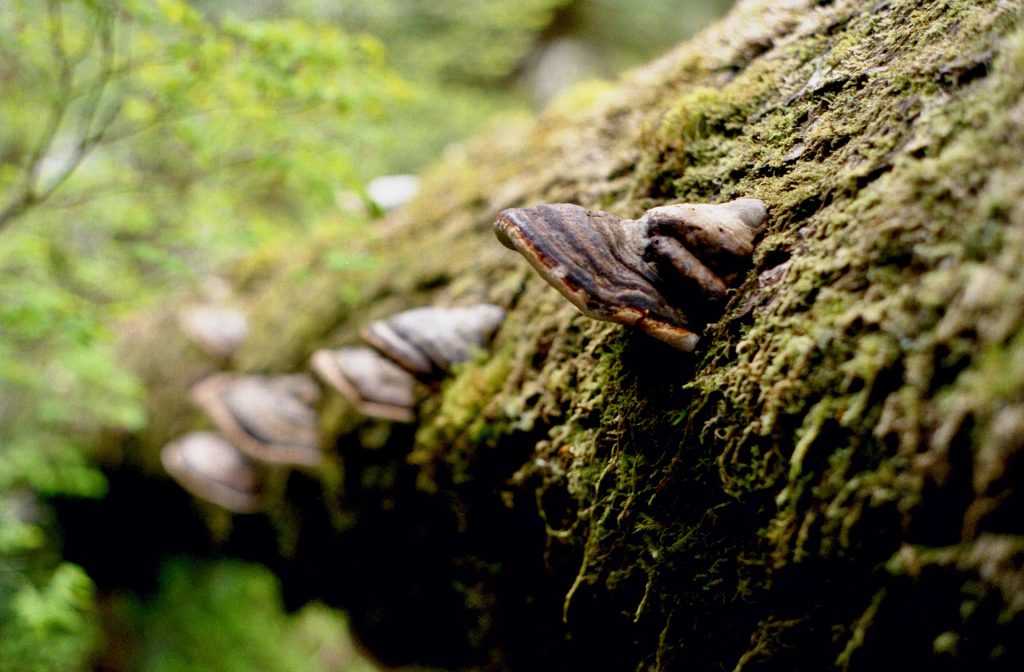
column 24, row 193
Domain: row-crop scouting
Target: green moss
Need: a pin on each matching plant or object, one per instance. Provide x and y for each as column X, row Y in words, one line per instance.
column 810, row 415
column 734, row 508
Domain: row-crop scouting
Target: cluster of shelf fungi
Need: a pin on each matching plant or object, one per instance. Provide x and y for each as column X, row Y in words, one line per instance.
column 264, row 422
column 667, row 273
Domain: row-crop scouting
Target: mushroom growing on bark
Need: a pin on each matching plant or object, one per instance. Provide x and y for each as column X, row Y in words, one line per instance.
column 666, row 272
column 269, row 418
column 209, row 467
column 218, row 331
column 374, row 385
column 426, row 342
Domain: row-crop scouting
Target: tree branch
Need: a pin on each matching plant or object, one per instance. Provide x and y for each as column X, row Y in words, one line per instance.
column 24, row 193
column 95, row 125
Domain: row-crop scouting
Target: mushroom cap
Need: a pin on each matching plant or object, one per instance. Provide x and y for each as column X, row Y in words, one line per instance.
column 596, row 260
column 298, row 385
column 269, row 418
column 428, row 341
column 209, row 467
column 721, row 236
column 660, row 272
column 374, row 385
column 217, row 330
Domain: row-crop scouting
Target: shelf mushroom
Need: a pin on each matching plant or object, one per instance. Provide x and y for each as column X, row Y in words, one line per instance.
column 218, row 331
column 428, row 341
column 666, row 272
column 373, row 384
column 209, row 467
column 269, row 418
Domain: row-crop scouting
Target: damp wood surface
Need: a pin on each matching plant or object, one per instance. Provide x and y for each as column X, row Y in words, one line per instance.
column 831, row 480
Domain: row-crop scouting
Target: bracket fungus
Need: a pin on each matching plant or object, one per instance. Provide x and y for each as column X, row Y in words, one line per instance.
column 426, row 342
column 218, row 331
column 209, row 467
column 373, row 384
column 666, row 272
column 269, row 418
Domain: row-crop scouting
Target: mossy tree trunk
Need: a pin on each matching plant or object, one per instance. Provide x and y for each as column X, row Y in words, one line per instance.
column 832, row 480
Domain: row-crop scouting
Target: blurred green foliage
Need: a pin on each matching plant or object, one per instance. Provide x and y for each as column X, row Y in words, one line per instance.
column 143, row 143
column 227, row 617
column 49, row 627
column 487, row 42
column 472, row 42
column 469, row 60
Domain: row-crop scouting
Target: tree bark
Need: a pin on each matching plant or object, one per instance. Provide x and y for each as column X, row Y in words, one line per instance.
column 832, row 480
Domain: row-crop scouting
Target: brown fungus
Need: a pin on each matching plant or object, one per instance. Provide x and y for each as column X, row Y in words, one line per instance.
column 666, row 272
column 270, row 418
column 427, row 342
column 209, row 467
column 218, row 331
column 373, row 384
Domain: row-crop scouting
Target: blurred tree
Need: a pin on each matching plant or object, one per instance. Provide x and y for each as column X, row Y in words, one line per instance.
column 141, row 144
column 627, row 37
column 473, row 59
